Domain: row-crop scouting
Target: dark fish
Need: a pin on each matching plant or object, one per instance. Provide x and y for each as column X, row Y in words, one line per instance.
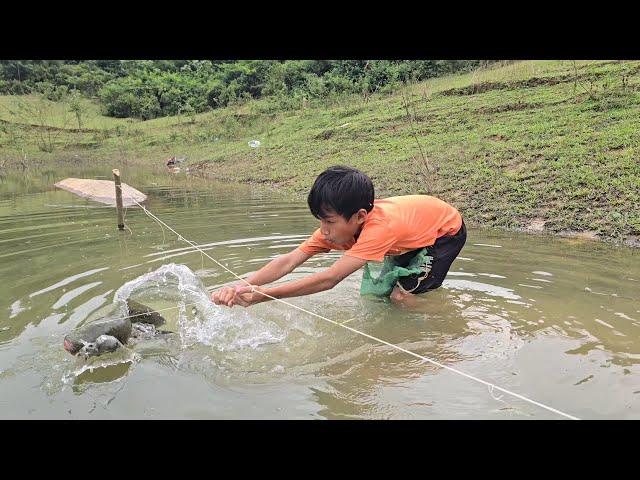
column 108, row 334
column 143, row 314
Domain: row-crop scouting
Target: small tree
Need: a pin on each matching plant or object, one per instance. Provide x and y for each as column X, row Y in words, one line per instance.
column 188, row 111
column 49, row 119
column 15, row 140
column 75, row 105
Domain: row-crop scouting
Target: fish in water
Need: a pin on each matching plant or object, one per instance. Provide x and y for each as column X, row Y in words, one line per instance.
column 109, row 334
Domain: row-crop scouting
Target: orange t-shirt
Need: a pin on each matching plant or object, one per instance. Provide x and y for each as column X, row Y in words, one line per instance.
column 394, row 226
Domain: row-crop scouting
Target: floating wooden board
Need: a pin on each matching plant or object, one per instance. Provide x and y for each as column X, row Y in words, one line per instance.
column 103, row 191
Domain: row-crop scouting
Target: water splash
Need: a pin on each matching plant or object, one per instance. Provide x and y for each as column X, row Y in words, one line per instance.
column 199, row 321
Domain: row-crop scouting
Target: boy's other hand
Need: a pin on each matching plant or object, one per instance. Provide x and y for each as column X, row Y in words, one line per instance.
column 248, row 295
column 225, row 296
column 243, row 295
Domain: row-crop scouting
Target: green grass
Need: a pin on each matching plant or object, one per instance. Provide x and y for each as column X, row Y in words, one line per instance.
column 30, row 109
column 514, row 146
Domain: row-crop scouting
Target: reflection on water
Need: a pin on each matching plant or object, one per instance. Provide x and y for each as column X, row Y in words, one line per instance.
column 556, row 320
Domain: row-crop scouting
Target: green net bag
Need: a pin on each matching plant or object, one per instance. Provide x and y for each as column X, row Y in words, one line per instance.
column 379, row 278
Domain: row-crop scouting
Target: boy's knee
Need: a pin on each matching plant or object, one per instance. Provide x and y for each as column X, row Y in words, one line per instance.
column 398, row 295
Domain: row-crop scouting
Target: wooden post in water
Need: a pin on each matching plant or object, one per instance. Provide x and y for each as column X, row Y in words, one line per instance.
column 116, row 179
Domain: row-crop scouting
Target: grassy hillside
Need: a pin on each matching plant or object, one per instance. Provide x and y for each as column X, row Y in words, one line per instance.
column 538, row 145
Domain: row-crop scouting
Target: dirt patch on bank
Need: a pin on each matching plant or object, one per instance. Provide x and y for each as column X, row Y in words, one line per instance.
column 528, row 83
column 510, row 107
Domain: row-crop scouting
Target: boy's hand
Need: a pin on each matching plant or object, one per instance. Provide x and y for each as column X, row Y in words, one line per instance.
column 249, row 295
column 242, row 295
column 225, row 296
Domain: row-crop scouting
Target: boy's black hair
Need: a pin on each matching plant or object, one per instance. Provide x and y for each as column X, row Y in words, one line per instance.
column 345, row 190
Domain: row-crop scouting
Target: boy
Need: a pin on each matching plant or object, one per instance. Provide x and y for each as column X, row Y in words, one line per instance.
column 342, row 198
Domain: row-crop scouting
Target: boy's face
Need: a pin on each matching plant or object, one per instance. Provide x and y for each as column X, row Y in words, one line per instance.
column 337, row 230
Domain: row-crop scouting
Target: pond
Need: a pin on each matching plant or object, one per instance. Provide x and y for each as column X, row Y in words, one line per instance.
column 555, row 320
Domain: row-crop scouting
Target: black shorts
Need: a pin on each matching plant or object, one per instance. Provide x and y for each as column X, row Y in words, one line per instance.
column 444, row 251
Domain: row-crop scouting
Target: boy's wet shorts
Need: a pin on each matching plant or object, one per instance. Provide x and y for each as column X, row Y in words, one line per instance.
column 444, row 251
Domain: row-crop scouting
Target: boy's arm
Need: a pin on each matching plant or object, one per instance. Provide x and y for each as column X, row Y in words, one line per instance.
column 317, row 282
column 275, row 269
column 278, row 267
